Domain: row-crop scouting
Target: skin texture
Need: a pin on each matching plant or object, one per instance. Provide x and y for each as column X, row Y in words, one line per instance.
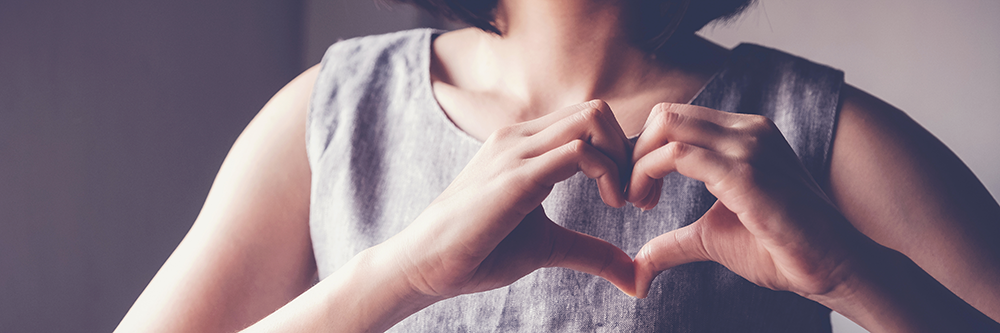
column 906, row 190
column 897, row 239
column 776, row 227
column 521, row 163
column 249, row 252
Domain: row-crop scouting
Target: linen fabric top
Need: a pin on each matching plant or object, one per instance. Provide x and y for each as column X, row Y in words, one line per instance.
column 381, row 149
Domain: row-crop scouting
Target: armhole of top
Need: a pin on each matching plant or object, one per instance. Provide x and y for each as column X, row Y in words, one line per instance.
column 317, row 107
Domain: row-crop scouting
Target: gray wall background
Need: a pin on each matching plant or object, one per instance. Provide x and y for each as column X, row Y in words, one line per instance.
column 115, row 115
column 114, row 118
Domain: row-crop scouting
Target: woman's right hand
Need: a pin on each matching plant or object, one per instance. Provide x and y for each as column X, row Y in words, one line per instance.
column 487, row 229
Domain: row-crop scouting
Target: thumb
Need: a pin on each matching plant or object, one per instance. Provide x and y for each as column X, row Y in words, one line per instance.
column 666, row 251
column 592, row 255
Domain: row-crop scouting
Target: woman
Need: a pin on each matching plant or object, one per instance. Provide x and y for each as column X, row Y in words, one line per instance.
column 408, row 173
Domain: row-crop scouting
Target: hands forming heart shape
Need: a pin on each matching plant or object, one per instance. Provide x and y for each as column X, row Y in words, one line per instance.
column 772, row 224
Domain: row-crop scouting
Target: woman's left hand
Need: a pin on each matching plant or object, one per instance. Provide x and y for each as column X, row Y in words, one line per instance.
column 772, row 223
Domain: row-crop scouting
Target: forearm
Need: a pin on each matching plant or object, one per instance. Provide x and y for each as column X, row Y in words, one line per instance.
column 363, row 296
column 905, row 189
column 889, row 293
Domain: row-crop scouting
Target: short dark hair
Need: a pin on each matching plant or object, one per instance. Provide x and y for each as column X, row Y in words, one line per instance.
column 481, row 14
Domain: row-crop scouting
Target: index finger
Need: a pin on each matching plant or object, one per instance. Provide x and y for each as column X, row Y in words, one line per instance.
column 696, row 125
column 592, row 122
column 537, row 125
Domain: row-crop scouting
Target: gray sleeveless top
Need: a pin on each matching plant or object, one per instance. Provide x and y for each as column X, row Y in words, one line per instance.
column 381, row 150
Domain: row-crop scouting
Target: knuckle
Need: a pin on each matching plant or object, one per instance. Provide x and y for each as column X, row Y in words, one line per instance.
column 756, row 119
column 667, row 120
column 755, row 133
column 664, row 107
column 640, row 167
column 701, row 240
column 590, row 115
column 576, row 147
column 757, row 125
column 599, row 104
column 676, row 150
column 690, row 243
column 607, row 261
column 648, row 253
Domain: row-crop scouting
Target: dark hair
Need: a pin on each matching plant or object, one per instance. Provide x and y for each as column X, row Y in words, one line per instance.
column 481, row 14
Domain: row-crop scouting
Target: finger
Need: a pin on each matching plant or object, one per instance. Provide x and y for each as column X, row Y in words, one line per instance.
column 694, row 125
column 592, row 255
column 689, row 160
column 723, row 118
column 653, row 197
column 645, row 199
column 577, row 156
column 596, row 125
column 531, row 127
column 537, row 125
column 681, row 246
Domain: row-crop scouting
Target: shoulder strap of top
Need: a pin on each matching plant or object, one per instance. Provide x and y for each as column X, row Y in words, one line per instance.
column 801, row 97
column 354, row 73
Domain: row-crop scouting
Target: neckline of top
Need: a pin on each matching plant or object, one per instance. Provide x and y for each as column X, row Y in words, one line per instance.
column 427, row 88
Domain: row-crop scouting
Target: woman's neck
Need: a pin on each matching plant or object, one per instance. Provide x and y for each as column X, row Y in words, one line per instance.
column 560, row 52
column 553, row 53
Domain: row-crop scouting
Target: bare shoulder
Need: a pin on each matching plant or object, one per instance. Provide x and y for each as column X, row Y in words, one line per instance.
column 878, row 149
column 249, row 250
column 905, row 189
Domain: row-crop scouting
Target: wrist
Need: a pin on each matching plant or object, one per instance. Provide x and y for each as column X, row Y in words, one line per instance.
column 365, row 295
column 369, row 294
column 884, row 291
column 855, row 297
column 383, row 288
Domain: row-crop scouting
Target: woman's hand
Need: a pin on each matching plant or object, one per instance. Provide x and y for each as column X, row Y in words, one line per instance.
column 487, row 229
column 772, row 224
